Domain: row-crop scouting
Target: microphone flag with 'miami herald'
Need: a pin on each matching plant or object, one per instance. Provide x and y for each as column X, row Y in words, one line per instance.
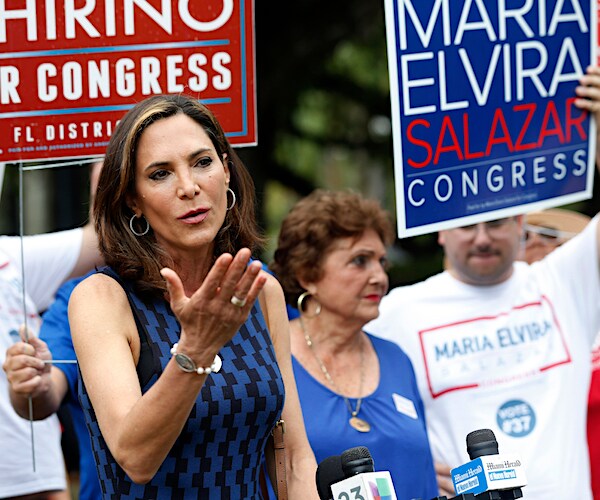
column 488, row 470
column 357, row 479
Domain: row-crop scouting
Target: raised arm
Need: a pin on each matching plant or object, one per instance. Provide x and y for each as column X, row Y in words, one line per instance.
column 300, row 460
column 589, row 99
column 141, row 429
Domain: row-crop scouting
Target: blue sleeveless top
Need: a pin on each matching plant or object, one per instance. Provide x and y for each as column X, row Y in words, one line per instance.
column 220, row 449
column 398, row 439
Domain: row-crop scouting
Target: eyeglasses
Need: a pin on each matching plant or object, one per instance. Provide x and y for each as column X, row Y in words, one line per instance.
column 545, row 233
column 497, row 227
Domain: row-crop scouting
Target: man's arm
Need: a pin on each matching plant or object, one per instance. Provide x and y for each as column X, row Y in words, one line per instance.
column 52, row 258
column 46, row 404
column 588, row 93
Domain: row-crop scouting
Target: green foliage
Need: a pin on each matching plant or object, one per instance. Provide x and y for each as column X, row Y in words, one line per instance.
column 363, row 64
column 324, row 115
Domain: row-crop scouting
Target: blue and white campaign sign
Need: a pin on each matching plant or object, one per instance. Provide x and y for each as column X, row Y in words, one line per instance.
column 483, row 110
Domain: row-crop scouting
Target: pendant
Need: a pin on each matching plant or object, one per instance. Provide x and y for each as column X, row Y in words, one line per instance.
column 359, row 424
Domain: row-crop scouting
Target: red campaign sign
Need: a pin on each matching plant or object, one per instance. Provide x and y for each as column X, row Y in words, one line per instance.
column 70, row 69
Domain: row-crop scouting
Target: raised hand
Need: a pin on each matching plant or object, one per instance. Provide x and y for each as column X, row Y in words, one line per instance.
column 588, row 93
column 213, row 314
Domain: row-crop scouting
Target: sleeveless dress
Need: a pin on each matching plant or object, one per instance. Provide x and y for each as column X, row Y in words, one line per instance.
column 220, row 449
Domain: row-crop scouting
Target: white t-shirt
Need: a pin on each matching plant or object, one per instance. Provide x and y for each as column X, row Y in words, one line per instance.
column 49, row 260
column 513, row 357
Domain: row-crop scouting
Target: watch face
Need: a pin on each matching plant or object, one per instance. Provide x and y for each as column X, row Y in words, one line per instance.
column 185, row 363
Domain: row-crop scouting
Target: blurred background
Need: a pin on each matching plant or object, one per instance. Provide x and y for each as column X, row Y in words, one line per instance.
column 323, row 112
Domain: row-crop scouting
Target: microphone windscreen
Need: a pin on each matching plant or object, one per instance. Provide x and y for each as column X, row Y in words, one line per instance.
column 329, row 472
column 356, row 461
column 481, row 442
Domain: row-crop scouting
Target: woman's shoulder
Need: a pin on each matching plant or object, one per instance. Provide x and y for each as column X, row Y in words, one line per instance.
column 98, row 286
column 272, row 289
column 99, row 304
column 272, row 305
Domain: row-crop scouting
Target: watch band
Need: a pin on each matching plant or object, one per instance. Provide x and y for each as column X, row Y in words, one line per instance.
column 186, row 364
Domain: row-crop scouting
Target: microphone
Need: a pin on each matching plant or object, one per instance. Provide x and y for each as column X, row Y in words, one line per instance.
column 488, row 471
column 356, row 461
column 329, row 472
column 359, row 478
column 481, row 442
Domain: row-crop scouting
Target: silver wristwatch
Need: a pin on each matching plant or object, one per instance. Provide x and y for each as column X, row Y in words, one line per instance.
column 186, row 364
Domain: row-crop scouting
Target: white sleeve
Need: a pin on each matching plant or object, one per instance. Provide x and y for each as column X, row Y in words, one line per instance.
column 49, row 261
column 574, row 270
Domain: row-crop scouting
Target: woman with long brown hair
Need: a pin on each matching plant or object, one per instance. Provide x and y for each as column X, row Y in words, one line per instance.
column 182, row 341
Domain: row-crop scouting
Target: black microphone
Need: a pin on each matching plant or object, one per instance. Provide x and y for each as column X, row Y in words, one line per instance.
column 329, row 472
column 338, row 467
column 481, row 442
column 353, row 473
column 356, row 461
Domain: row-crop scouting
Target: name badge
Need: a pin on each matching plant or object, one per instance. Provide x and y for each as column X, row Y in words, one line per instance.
column 405, row 406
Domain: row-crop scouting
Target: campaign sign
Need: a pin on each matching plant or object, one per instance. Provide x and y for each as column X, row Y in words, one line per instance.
column 483, row 110
column 70, row 70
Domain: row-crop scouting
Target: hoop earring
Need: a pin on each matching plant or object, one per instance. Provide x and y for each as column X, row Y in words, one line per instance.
column 233, row 198
column 133, row 217
column 300, row 305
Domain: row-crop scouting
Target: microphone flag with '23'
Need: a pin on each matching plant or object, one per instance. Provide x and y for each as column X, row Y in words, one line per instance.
column 352, row 476
column 488, row 470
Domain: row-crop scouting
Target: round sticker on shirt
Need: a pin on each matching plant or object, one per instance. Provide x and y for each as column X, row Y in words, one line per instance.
column 516, row 418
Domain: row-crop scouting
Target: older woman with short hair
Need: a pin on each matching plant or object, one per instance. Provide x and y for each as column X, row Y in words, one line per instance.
column 355, row 389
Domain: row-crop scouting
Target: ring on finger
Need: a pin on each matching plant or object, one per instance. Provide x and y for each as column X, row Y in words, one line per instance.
column 237, row 302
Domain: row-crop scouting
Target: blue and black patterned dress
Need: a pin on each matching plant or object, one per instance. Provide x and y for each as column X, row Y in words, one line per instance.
column 220, row 449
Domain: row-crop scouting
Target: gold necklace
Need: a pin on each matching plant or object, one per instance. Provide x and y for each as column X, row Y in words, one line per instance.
column 357, row 423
